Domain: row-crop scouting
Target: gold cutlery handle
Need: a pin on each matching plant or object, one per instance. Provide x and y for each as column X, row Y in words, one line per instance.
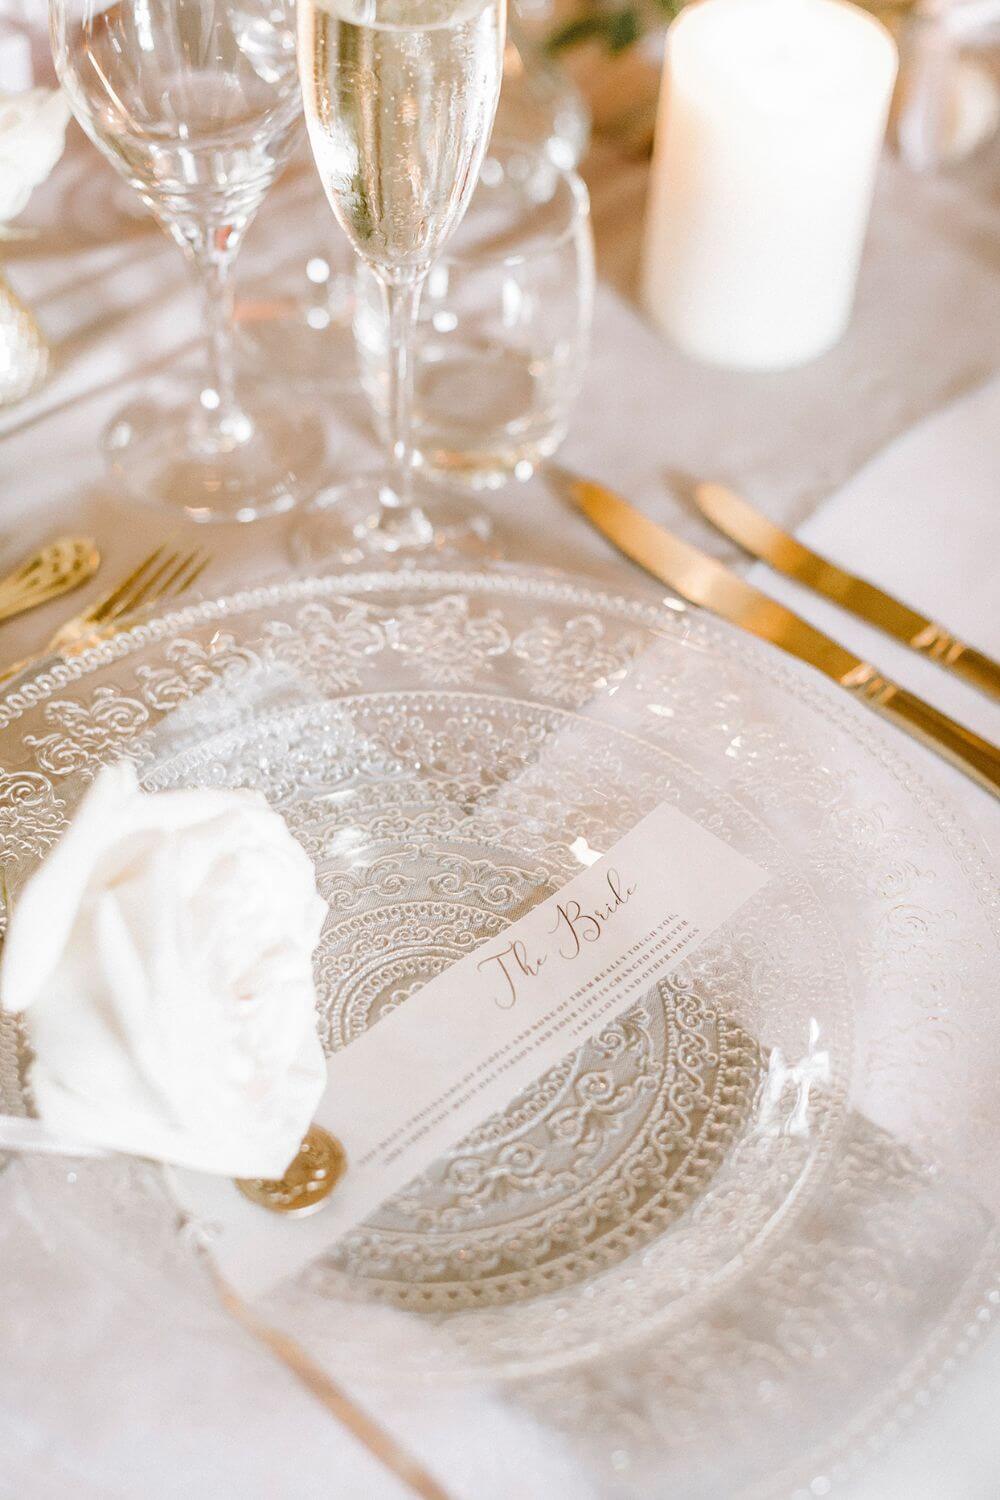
column 966, row 750
column 55, row 569
column 978, row 669
column 737, row 519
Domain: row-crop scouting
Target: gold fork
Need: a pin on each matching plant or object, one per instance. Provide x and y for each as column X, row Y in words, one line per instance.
column 161, row 575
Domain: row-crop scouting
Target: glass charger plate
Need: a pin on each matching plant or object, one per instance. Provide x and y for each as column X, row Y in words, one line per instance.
column 762, row 1199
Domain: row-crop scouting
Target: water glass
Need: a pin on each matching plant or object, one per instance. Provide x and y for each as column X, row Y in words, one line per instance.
column 503, row 329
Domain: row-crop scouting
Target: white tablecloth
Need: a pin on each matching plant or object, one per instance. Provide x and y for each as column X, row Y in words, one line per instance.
column 140, row 1405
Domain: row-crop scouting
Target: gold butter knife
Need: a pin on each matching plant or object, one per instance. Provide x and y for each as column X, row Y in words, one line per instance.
column 701, row 580
column 737, row 519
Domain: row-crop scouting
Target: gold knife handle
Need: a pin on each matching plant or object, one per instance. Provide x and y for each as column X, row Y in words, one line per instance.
column 978, row 669
column 965, row 749
column 947, row 650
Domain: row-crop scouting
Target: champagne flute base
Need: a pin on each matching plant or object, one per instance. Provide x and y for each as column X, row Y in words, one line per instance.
column 364, row 519
column 167, row 449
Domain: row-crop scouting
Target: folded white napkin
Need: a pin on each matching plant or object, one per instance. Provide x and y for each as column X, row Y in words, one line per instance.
column 161, row 954
column 922, row 520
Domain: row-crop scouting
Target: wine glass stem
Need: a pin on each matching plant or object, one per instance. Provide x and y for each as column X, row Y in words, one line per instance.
column 223, row 412
column 401, row 299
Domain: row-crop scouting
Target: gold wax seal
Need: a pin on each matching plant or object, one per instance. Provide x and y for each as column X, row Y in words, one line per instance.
column 308, row 1181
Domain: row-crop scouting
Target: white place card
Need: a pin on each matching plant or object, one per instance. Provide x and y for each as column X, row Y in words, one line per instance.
column 462, row 1047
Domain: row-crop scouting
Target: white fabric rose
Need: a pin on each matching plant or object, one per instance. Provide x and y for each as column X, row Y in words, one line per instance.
column 32, row 136
column 162, row 956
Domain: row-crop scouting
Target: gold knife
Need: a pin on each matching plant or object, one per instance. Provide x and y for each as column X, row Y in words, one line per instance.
column 701, row 580
column 737, row 519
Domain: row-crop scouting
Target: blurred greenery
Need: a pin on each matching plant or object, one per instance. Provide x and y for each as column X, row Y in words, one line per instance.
column 616, row 27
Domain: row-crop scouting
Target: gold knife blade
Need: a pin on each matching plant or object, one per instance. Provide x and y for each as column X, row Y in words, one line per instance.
column 741, row 522
column 702, row 580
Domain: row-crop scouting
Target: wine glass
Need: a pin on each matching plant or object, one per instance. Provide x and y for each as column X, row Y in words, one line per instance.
column 196, row 103
column 400, row 97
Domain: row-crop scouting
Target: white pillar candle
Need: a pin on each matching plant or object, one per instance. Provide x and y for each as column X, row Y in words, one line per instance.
column 772, row 116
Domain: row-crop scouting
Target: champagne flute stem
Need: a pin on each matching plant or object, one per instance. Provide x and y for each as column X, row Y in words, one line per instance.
column 401, row 300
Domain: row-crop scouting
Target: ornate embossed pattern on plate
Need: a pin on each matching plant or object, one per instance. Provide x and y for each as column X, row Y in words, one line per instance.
column 605, row 1152
column 437, row 742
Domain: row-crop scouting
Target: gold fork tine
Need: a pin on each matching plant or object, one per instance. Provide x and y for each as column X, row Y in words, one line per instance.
column 199, row 562
column 187, row 567
column 145, row 589
column 91, row 619
column 102, row 608
column 156, row 577
column 190, row 568
column 175, row 573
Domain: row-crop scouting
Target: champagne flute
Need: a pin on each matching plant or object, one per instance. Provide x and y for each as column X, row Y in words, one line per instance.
column 400, row 97
column 196, row 104
column 298, row 320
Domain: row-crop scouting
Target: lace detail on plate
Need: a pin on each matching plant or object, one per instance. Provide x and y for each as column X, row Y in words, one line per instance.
column 599, row 1155
column 445, row 642
column 327, row 645
column 85, row 735
column 567, row 661
column 192, row 667
column 32, row 815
